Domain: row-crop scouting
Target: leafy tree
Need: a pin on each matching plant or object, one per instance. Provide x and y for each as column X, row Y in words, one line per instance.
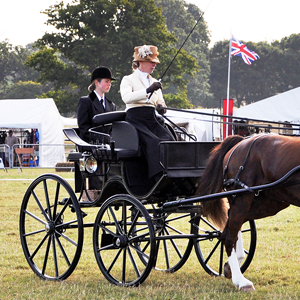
column 101, row 32
column 63, row 76
column 181, row 18
column 12, row 68
column 62, row 99
column 178, row 100
column 219, row 67
column 6, row 60
column 288, row 63
column 24, row 90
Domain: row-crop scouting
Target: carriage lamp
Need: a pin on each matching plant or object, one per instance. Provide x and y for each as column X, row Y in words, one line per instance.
column 91, row 164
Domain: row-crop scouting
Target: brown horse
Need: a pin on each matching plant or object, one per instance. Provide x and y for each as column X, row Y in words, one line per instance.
column 243, row 163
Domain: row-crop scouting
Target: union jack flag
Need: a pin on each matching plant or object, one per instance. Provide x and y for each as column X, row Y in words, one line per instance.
column 239, row 49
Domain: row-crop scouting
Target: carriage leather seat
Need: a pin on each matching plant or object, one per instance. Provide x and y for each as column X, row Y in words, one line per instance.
column 126, row 140
column 123, row 134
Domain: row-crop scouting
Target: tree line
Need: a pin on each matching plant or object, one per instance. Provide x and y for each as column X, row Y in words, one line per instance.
column 90, row 33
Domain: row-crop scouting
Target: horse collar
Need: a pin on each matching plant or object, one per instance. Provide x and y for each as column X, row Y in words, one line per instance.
column 236, row 181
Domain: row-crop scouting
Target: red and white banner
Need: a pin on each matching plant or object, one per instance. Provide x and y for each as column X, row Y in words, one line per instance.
column 228, row 111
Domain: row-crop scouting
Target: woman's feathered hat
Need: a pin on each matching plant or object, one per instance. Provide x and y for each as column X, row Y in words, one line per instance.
column 146, row 53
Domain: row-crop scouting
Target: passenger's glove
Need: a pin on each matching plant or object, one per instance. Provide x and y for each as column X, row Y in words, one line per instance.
column 160, row 109
column 153, row 87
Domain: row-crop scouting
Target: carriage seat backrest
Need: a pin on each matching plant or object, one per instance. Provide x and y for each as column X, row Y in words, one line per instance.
column 126, row 139
column 122, row 133
column 109, row 117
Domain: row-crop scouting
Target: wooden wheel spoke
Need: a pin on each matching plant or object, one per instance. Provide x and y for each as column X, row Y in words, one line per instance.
column 63, row 251
column 174, row 244
column 212, row 252
column 40, row 206
column 46, row 255
column 137, row 272
column 47, row 199
column 114, row 261
column 38, row 247
column 120, row 231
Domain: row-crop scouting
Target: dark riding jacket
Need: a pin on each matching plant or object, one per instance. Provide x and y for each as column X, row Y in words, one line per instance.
column 88, row 107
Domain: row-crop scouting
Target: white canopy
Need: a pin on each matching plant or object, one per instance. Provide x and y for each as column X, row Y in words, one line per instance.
column 43, row 115
column 282, row 107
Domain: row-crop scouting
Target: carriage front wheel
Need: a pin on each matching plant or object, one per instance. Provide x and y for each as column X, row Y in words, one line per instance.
column 51, row 227
column 124, row 241
column 210, row 250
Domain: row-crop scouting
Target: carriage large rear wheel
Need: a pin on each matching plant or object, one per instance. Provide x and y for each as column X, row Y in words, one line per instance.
column 210, row 250
column 51, row 227
column 124, row 241
column 172, row 246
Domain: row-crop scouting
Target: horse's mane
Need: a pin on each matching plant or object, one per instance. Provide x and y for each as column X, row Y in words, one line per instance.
column 212, row 181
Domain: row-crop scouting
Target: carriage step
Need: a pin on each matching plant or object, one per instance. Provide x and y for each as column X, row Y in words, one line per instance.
column 65, row 200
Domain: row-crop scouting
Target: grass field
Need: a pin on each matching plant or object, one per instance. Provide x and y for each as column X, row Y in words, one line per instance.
column 274, row 270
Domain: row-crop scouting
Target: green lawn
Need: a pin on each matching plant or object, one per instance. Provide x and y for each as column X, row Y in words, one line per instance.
column 274, row 269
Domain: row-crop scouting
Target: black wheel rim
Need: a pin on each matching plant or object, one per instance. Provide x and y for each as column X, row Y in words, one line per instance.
column 51, row 227
column 123, row 233
column 210, row 250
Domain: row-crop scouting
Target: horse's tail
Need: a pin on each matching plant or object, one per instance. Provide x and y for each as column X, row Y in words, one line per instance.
column 212, row 182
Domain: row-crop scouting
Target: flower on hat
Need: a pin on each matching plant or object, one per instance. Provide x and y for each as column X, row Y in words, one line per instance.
column 144, row 51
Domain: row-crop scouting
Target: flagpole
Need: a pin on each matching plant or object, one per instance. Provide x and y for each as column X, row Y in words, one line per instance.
column 228, row 81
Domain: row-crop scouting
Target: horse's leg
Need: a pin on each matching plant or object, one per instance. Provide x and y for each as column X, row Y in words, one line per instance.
column 238, row 278
column 240, row 248
column 230, row 235
column 232, row 269
column 240, row 255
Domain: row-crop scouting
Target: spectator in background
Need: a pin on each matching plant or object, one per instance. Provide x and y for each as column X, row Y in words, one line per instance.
column 11, row 140
column 26, row 138
column 37, row 136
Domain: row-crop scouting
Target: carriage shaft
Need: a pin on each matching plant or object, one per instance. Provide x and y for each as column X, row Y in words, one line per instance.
column 169, row 206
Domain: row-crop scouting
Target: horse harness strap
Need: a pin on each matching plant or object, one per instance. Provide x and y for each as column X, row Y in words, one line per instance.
column 236, row 181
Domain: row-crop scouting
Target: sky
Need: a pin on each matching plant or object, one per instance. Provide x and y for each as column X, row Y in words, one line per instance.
column 258, row 20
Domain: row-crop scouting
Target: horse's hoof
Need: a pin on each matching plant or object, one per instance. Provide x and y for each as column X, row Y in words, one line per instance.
column 227, row 271
column 247, row 288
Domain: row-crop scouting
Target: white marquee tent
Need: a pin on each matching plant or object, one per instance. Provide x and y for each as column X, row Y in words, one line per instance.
column 199, row 125
column 280, row 108
column 43, row 115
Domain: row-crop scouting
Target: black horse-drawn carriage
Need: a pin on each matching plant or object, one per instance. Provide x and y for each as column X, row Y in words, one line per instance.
column 141, row 224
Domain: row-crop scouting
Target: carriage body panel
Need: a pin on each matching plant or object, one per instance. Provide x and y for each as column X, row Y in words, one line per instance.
column 119, row 156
